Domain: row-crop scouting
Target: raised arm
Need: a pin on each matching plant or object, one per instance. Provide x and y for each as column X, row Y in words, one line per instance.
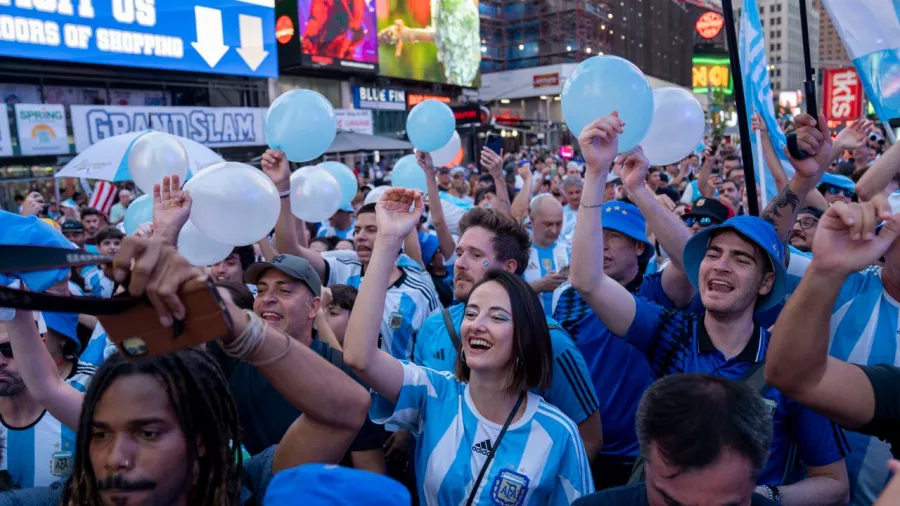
column 171, row 209
column 599, row 143
column 770, row 158
column 438, row 220
column 397, row 213
column 798, row 362
column 523, row 198
column 668, row 228
column 813, row 138
column 277, row 167
column 493, row 162
column 879, row 176
column 39, row 371
column 703, row 177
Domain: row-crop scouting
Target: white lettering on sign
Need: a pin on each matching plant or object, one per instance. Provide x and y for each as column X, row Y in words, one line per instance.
column 843, row 94
column 62, row 7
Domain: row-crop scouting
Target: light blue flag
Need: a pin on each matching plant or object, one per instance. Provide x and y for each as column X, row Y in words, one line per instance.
column 871, row 33
column 758, row 94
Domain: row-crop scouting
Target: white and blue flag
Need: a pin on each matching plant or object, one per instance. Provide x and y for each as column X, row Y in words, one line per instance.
column 758, row 94
column 871, row 33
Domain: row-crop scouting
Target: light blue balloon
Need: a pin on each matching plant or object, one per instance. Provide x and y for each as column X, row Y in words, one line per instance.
column 603, row 84
column 408, row 174
column 345, row 178
column 301, row 123
column 430, row 125
column 140, row 211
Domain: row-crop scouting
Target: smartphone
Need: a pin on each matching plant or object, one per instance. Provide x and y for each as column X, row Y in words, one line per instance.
column 138, row 333
column 494, row 142
column 564, row 271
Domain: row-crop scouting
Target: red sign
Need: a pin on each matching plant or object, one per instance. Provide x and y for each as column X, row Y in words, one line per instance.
column 710, row 24
column 566, row 152
column 541, row 80
column 413, row 99
column 843, row 95
column 284, row 29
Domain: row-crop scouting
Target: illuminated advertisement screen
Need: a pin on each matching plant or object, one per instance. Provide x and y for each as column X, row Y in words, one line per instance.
column 327, row 33
column 711, row 72
column 430, row 41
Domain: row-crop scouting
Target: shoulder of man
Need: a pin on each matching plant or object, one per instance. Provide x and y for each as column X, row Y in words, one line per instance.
column 627, row 495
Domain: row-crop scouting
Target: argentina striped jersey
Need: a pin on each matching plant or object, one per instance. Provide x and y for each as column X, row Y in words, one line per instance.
column 540, row 461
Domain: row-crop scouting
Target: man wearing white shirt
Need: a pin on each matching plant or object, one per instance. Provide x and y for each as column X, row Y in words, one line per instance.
column 548, row 256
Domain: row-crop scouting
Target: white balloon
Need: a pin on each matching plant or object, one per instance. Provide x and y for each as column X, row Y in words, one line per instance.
column 375, row 194
column 315, row 194
column 677, row 127
column 199, row 249
column 233, row 203
column 447, row 153
column 154, row 156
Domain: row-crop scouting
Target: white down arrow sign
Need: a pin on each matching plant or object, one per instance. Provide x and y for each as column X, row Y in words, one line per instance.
column 210, row 44
column 251, row 49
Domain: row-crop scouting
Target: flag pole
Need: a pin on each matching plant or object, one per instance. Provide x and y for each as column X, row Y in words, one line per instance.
column 743, row 121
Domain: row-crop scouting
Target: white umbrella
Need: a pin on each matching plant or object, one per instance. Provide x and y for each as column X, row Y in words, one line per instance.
column 108, row 159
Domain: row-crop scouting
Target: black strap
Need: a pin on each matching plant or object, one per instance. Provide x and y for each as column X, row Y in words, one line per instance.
column 454, row 336
column 490, row 457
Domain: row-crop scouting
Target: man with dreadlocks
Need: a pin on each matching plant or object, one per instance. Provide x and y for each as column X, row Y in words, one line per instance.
column 164, row 430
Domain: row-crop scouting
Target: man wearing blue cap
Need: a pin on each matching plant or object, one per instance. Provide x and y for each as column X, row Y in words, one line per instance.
column 837, row 188
column 340, row 224
column 737, row 268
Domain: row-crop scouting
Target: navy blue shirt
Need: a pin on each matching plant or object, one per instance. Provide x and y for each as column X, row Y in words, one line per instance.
column 620, row 373
column 677, row 342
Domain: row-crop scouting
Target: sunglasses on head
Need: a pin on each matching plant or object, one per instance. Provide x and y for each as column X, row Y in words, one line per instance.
column 807, row 222
column 834, row 190
column 6, row 350
column 704, row 221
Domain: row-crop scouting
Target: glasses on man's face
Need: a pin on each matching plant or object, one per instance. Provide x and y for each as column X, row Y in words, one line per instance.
column 808, row 222
column 834, row 190
column 6, row 350
column 703, row 221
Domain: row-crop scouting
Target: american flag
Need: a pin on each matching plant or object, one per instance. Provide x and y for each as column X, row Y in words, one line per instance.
column 103, row 196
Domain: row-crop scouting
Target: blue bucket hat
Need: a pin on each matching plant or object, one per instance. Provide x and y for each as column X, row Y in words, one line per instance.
column 429, row 245
column 627, row 219
column 754, row 229
column 839, row 181
column 329, row 485
column 65, row 324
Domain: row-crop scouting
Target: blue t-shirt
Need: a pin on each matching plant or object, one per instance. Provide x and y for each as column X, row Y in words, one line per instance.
column 677, row 342
column 541, row 460
column 571, row 390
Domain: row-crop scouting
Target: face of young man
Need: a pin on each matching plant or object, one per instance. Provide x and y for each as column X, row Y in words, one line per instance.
column 364, row 233
column 228, row 269
column 91, row 225
column 136, row 447
column 733, row 275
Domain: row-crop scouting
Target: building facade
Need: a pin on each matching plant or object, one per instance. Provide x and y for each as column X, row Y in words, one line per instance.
column 784, row 40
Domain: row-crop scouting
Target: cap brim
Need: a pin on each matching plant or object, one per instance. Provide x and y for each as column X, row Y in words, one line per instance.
column 256, row 270
column 695, row 251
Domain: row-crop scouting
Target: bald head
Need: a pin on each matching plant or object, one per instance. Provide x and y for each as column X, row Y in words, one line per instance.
column 546, row 220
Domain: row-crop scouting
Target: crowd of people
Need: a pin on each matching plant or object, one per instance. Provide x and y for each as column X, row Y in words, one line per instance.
column 531, row 331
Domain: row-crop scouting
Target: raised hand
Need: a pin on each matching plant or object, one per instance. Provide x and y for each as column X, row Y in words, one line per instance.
column 171, row 208
column 426, row 163
column 33, row 204
column 492, row 162
column 846, row 240
column 599, row 143
column 635, row 166
column 853, row 136
column 756, row 123
column 524, row 171
column 397, row 212
column 814, row 139
column 277, row 167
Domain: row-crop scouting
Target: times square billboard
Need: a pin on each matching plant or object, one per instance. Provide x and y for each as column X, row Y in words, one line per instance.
column 406, row 39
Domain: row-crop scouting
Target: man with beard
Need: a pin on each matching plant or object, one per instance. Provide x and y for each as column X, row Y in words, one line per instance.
column 93, row 220
column 411, row 297
column 804, row 232
column 489, row 240
column 738, row 270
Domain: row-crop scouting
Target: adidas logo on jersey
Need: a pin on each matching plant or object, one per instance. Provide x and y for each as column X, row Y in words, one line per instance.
column 483, row 447
column 439, row 355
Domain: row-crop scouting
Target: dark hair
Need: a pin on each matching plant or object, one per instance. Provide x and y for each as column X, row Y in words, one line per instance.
column 343, row 296
column 245, row 254
column 735, row 182
column 18, row 197
column 486, row 178
column 845, row 169
column 532, row 355
column 368, row 208
column 511, row 240
column 240, row 294
column 329, row 242
column 109, row 233
column 693, row 418
column 206, row 413
column 813, row 211
column 732, row 158
column 90, row 211
column 481, row 194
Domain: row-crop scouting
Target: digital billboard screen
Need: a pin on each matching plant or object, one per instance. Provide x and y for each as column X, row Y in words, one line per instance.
column 327, row 33
column 430, row 41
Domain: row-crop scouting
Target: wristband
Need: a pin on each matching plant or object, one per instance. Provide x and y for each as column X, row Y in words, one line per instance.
column 286, row 193
column 776, row 494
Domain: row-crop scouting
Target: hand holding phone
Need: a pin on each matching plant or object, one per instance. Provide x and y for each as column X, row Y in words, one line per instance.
column 494, row 142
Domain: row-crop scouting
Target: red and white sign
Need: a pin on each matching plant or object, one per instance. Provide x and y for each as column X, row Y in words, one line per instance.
column 541, row 80
column 355, row 120
column 710, row 24
column 843, row 95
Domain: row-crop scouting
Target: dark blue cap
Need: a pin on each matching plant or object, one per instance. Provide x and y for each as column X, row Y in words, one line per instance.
column 761, row 233
column 329, row 485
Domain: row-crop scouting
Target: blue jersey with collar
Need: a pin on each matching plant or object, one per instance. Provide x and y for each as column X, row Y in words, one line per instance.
column 677, row 342
column 541, row 460
column 619, row 373
column 328, row 231
column 571, row 390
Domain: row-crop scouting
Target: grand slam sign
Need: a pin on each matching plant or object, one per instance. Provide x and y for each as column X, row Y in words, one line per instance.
column 224, row 36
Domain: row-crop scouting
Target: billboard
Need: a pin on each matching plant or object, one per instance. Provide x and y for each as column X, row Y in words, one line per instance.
column 327, row 33
column 711, row 72
column 223, row 36
column 42, row 129
column 441, row 45
column 843, row 95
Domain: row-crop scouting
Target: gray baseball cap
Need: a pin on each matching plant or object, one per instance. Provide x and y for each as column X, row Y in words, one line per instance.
column 294, row 266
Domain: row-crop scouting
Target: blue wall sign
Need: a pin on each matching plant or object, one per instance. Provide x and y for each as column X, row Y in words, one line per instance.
column 220, row 36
